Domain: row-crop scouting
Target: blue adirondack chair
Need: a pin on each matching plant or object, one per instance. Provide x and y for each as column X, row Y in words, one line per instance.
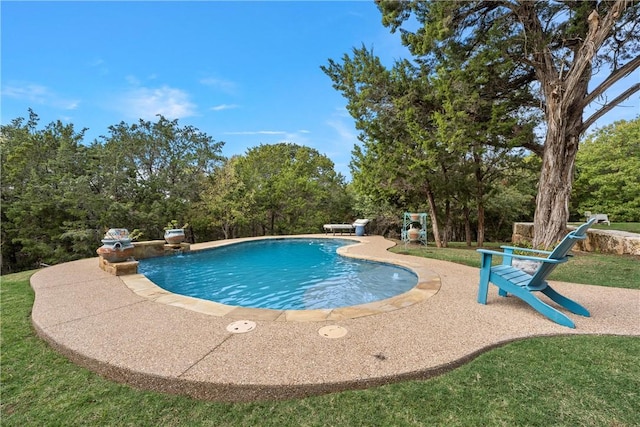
column 511, row 280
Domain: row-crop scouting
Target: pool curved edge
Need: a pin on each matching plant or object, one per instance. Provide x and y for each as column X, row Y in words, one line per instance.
column 363, row 248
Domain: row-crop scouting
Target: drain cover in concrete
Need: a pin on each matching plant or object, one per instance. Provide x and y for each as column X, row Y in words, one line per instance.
column 241, row 326
column 332, row 331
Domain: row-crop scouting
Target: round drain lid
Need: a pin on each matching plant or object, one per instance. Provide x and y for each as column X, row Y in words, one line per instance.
column 241, row 326
column 332, row 331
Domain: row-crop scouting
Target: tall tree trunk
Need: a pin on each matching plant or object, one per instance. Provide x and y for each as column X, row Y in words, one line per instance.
column 477, row 159
column 564, row 90
column 564, row 126
column 435, row 226
column 554, row 187
column 467, row 224
column 272, row 223
column 480, row 224
column 448, row 224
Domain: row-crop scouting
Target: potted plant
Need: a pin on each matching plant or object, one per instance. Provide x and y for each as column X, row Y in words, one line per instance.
column 173, row 234
column 116, row 244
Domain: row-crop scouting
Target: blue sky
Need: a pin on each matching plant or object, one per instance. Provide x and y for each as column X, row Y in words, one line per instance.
column 246, row 73
column 243, row 72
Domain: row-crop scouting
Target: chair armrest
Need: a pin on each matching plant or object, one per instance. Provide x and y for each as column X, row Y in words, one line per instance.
column 527, row 257
column 515, row 248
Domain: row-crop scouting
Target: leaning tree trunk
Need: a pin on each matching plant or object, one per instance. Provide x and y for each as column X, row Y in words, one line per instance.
column 554, row 191
column 565, row 90
column 564, row 126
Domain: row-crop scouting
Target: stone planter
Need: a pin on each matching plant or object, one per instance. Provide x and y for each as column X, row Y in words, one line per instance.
column 174, row 236
column 414, row 234
column 116, row 245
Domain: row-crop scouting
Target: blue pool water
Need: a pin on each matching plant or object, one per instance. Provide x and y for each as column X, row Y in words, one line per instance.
column 282, row 274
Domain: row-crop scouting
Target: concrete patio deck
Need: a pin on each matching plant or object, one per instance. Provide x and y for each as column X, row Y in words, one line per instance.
column 155, row 341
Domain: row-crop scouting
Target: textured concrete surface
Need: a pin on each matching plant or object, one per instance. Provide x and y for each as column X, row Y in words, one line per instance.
column 99, row 322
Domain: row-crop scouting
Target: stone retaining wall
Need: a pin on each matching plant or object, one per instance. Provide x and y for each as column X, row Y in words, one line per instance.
column 141, row 250
column 155, row 248
column 605, row 241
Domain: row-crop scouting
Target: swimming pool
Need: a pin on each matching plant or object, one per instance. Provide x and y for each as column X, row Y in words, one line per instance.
column 284, row 274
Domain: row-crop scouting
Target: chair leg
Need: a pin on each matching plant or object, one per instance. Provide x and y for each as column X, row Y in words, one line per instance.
column 545, row 309
column 565, row 302
column 502, row 292
column 485, row 272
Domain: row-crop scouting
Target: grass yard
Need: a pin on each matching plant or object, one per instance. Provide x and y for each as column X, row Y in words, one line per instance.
column 566, row 381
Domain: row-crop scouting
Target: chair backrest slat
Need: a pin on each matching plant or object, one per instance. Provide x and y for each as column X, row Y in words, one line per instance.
column 561, row 251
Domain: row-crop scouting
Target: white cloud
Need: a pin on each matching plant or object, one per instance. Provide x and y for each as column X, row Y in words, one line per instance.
column 146, row 103
column 226, row 86
column 132, row 80
column 222, row 107
column 100, row 65
column 98, row 62
column 38, row 94
column 275, row 136
column 345, row 131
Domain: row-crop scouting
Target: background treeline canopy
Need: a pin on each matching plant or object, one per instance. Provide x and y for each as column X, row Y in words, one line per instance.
column 59, row 193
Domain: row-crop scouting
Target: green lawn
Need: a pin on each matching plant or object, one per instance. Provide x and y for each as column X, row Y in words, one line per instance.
column 631, row 227
column 565, row 381
column 621, row 271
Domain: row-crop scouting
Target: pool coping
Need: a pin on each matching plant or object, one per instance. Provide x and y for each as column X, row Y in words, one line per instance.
column 427, row 286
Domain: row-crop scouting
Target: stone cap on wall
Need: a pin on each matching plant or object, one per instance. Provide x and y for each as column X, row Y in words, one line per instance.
column 605, row 241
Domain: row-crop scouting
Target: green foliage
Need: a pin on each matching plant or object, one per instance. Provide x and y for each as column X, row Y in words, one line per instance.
column 46, row 198
column 226, row 201
column 441, row 142
column 276, row 189
column 156, row 171
column 59, row 195
column 173, row 225
column 608, row 173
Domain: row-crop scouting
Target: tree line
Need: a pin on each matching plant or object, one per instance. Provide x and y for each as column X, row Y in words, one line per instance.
column 59, row 195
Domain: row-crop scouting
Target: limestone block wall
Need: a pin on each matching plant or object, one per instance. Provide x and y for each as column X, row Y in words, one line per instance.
column 148, row 249
column 155, row 248
column 605, row 241
column 141, row 250
column 118, row 268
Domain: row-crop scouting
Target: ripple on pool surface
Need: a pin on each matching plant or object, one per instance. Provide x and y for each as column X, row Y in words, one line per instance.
column 284, row 274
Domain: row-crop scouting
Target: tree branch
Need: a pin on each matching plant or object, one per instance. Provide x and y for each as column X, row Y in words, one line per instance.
column 537, row 149
column 610, row 105
column 599, row 28
column 615, row 76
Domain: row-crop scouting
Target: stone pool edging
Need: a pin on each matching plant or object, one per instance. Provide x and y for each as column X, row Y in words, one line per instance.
column 428, row 285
